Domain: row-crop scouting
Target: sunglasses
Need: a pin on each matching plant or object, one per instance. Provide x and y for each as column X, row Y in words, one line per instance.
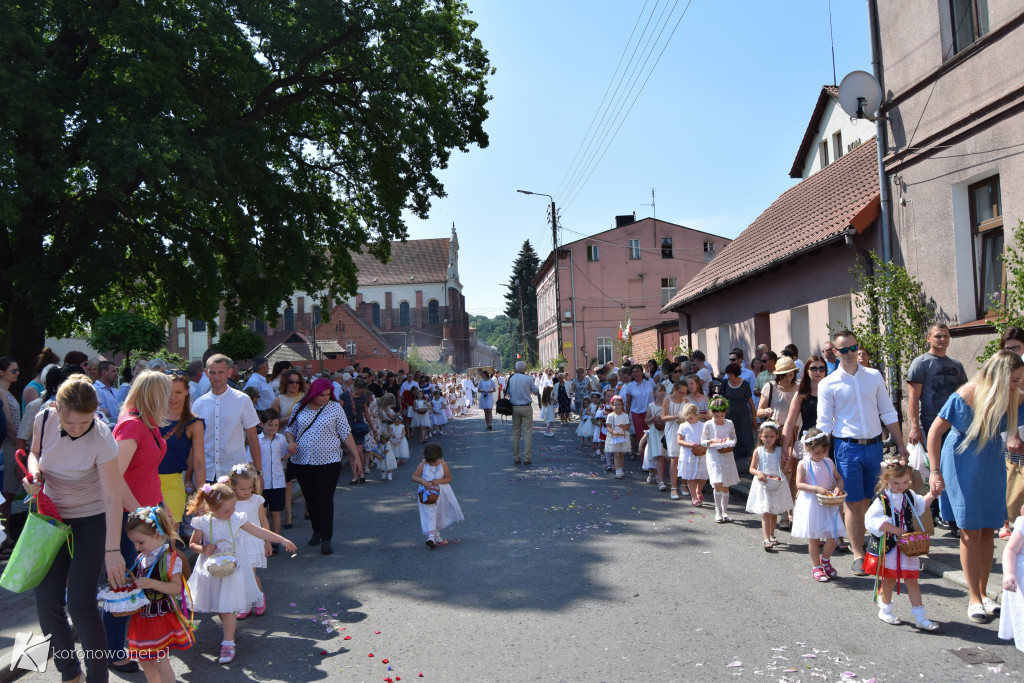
column 849, row 349
column 175, row 373
column 733, row 359
column 765, row 359
column 817, row 368
column 293, row 381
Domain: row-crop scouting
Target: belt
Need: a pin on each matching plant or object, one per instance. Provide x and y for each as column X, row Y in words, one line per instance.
column 862, row 442
column 523, row 404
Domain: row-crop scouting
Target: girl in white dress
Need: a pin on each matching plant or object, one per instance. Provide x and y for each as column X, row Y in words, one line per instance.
column 433, row 475
column 216, row 534
column 671, row 415
column 617, row 442
column 421, row 415
column 654, row 454
column 719, row 437
column 812, row 521
column 692, row 468
column 1011, row 615
column 769, row 491
column 547, row 410
column 585, row 429
column 437, row 418
column 399, row 444
column 244, row 482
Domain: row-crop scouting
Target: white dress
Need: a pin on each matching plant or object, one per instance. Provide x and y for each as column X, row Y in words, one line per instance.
column 487, row 389
column 721, row 466
column 811, row 519
column 760, row 500
column 399, row 444
column 437, row 417
column 230, row 594
column 672, row 428
column 586, row 427
column 420, row 419
column 254, row 548
column 691, row 467
column 1011, row 617
column 654, row 448
column 547, row 413
column 445, row 511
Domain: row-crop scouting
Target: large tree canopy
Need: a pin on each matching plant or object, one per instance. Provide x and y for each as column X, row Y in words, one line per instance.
column 176, row 155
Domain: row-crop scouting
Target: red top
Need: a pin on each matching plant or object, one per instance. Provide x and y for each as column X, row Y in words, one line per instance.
column 141, row 475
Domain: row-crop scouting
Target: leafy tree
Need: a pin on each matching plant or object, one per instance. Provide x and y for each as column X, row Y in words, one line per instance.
column 241, row 344
column 1010, row 313
column 162, row 156
column 417, row 362
column 520, row 288
column 124, row 332
column 502, row 333
column 168, row 357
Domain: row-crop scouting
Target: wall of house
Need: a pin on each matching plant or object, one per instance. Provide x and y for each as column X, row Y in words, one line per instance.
column 645, row 343
column 971, row 117
column 835, row 120
column 797, row 297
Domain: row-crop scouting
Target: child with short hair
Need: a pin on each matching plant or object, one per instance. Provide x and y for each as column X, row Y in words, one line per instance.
column 274, row 448
column 816, row 473
column 161, row 625
column 769, row 490
column 617, row 443
column 891, row 514
column 719, row 437
column 585, row 429
column 434, row 479
column 547, row 410
column 219, row 531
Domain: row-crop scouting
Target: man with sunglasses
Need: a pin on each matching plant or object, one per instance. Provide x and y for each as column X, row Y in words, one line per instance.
column 853, row 405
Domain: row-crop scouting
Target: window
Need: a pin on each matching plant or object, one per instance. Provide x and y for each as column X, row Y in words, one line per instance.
column 666, row 247
column 375, row 312
column 592, row 254
column 634, row 249
column 709, row 247
column 987, row 240
column 604, row 349
column 258, row 326
column 668, row 289
column 433, row 313
column 289, row 319
column 823, row 153
column 970, row 21
column 199, row 326
column 180, row 322
column 837, row 144
column 181, row 340
column 350, row 348
column 403, row 313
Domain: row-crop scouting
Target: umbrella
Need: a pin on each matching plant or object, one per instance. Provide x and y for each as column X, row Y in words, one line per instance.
column 43, row 502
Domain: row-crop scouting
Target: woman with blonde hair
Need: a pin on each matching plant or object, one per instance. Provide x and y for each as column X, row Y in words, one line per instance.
column 183, row 469
column 140, row 448
column 969, row 466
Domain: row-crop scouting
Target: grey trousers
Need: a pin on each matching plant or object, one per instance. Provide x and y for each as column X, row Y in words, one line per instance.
column 522, row 426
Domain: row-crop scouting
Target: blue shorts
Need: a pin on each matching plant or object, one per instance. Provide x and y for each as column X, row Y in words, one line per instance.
column 860, row 467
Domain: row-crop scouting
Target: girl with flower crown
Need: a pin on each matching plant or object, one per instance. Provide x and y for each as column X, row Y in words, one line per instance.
column 246, row 485
column 719, row 437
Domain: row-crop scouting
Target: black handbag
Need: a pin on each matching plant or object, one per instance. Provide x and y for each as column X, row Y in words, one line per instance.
column 503, row 406
column 360, row 429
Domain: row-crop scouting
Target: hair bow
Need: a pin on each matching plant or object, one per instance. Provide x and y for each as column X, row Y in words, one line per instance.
column 207, row 489
column 892, row 461
column 770, row 423
column 240, row 468
column 222, row 480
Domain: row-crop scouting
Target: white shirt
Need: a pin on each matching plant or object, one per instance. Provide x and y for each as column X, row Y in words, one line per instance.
column 227, row 416
column 705, row 379
column 108, row 400
column 266, row 393
column 641, row 395
column 273, row 454
column 854, row 406
column 201, row 387
column 799, row 368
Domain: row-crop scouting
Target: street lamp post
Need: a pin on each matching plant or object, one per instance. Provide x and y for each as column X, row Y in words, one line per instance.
column 554, row 241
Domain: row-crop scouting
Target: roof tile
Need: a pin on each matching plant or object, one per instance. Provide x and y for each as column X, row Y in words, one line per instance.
column 412, row 261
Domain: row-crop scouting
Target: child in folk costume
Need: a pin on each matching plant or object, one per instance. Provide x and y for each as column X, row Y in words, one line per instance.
column 719, row 437
column 585, row 429
column 547, row 410
column 217, row 539
column 816, row 473
column 1011, row 614
column 421, row 416
column 160, row 625
column 892, row 513
column 246, row 485
column 654, row 453
column 437, row 418
column 434, row 477
column 692, row 468
column 617, row 442
column 769, row 490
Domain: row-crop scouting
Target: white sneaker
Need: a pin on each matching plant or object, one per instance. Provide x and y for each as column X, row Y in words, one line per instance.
column 718, row 517
column 619, row 474
column 383, row 476
column 991, row 606
column 389, row 476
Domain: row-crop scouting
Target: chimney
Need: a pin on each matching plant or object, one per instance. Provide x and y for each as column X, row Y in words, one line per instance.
column 625, row 220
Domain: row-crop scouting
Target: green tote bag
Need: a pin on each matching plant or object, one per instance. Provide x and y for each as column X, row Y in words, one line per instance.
column 37, row 547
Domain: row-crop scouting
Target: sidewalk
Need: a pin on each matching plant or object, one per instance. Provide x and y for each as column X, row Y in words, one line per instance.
column 19, row 614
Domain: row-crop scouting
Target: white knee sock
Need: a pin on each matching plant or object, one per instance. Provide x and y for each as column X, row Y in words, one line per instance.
column 725, row 502
column 718, row 502
column 884, row 607
column 919, row 614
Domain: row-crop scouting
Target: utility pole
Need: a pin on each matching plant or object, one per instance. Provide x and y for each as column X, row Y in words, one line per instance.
column 554, row 241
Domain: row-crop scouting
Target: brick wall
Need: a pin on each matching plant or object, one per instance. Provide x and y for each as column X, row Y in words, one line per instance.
column 645, row 343
column 345, row 327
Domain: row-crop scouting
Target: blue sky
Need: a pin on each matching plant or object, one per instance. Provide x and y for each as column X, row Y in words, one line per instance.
column 714, row 132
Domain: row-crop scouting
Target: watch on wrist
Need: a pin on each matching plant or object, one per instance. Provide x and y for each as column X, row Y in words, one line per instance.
column 259, row 473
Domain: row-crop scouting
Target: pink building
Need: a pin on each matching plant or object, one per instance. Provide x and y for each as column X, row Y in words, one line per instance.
column 628, row 272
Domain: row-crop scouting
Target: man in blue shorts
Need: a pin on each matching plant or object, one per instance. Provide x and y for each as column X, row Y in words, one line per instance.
column 853, row 404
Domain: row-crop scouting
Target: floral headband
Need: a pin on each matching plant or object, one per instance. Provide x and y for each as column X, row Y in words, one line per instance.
column 149, row 516
column 816, row 439
column 893, row 462
column 240, row 468
column 771, row 423
column 719, row 404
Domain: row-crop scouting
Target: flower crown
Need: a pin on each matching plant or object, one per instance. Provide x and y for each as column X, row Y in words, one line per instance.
column 818, row 439
column 893, row 462
column 771, row 423
column 150, row 517
column 719, row 404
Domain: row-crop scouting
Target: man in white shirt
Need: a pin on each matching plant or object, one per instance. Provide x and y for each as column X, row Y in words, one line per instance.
column 105, row 391
column 637, row 394
column 702, row 370
column 736, row 356
column 260, row 370
column 195, row 375
column 231, row 422
column 520, row 390
column 853, row 404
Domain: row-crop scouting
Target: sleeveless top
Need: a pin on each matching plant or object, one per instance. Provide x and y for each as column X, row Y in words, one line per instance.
column 808, row 412
column 178, row 448
column 287, row 404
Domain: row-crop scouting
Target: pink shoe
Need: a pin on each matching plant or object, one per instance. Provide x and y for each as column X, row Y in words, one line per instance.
column 261, row 607
column 227, row 654
column 243, row 615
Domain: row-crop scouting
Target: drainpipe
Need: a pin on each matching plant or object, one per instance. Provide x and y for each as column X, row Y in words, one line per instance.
column 689, row 332
column 572, row 293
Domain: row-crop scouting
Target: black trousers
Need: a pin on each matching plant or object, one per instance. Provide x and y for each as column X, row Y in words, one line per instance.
column 318, row 483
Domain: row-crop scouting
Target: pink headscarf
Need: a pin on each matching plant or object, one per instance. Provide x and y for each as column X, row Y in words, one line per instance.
column 319, row 385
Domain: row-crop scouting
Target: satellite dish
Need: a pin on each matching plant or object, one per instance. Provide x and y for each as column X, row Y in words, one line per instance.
column 859, row 95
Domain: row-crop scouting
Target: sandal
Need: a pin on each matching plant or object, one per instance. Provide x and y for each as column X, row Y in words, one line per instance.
column 1005, row 533
column 768, row 545
column 774, row 540
column 890, row 618
column 842, row 545
column 829, row 569
column 674, row 495
column 819, row 575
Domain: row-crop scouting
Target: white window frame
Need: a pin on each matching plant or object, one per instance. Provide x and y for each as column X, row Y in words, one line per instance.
column 604, row 350
column 350, row 348
column 593, row 253
column 668, row 289
column 634, row 249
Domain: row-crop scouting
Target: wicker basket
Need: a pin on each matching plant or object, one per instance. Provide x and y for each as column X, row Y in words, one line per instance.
column 772, row 483
column 221, row 565
column 725, row 450
column 698, row 450
column 426, row 496
column 824, row 499
column 914, row 543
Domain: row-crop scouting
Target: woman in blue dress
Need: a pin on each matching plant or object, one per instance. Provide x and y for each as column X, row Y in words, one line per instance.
column 970, row 466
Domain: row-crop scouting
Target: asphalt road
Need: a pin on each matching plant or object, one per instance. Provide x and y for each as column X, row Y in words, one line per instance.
column 561, row 572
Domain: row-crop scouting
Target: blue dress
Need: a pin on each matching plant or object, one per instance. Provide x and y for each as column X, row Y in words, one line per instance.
column 975, row 479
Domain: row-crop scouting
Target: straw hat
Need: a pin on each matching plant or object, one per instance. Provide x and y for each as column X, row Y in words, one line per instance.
column 784, row 365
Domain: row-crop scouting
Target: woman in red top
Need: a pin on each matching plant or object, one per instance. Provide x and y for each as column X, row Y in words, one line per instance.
column 140, row 448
